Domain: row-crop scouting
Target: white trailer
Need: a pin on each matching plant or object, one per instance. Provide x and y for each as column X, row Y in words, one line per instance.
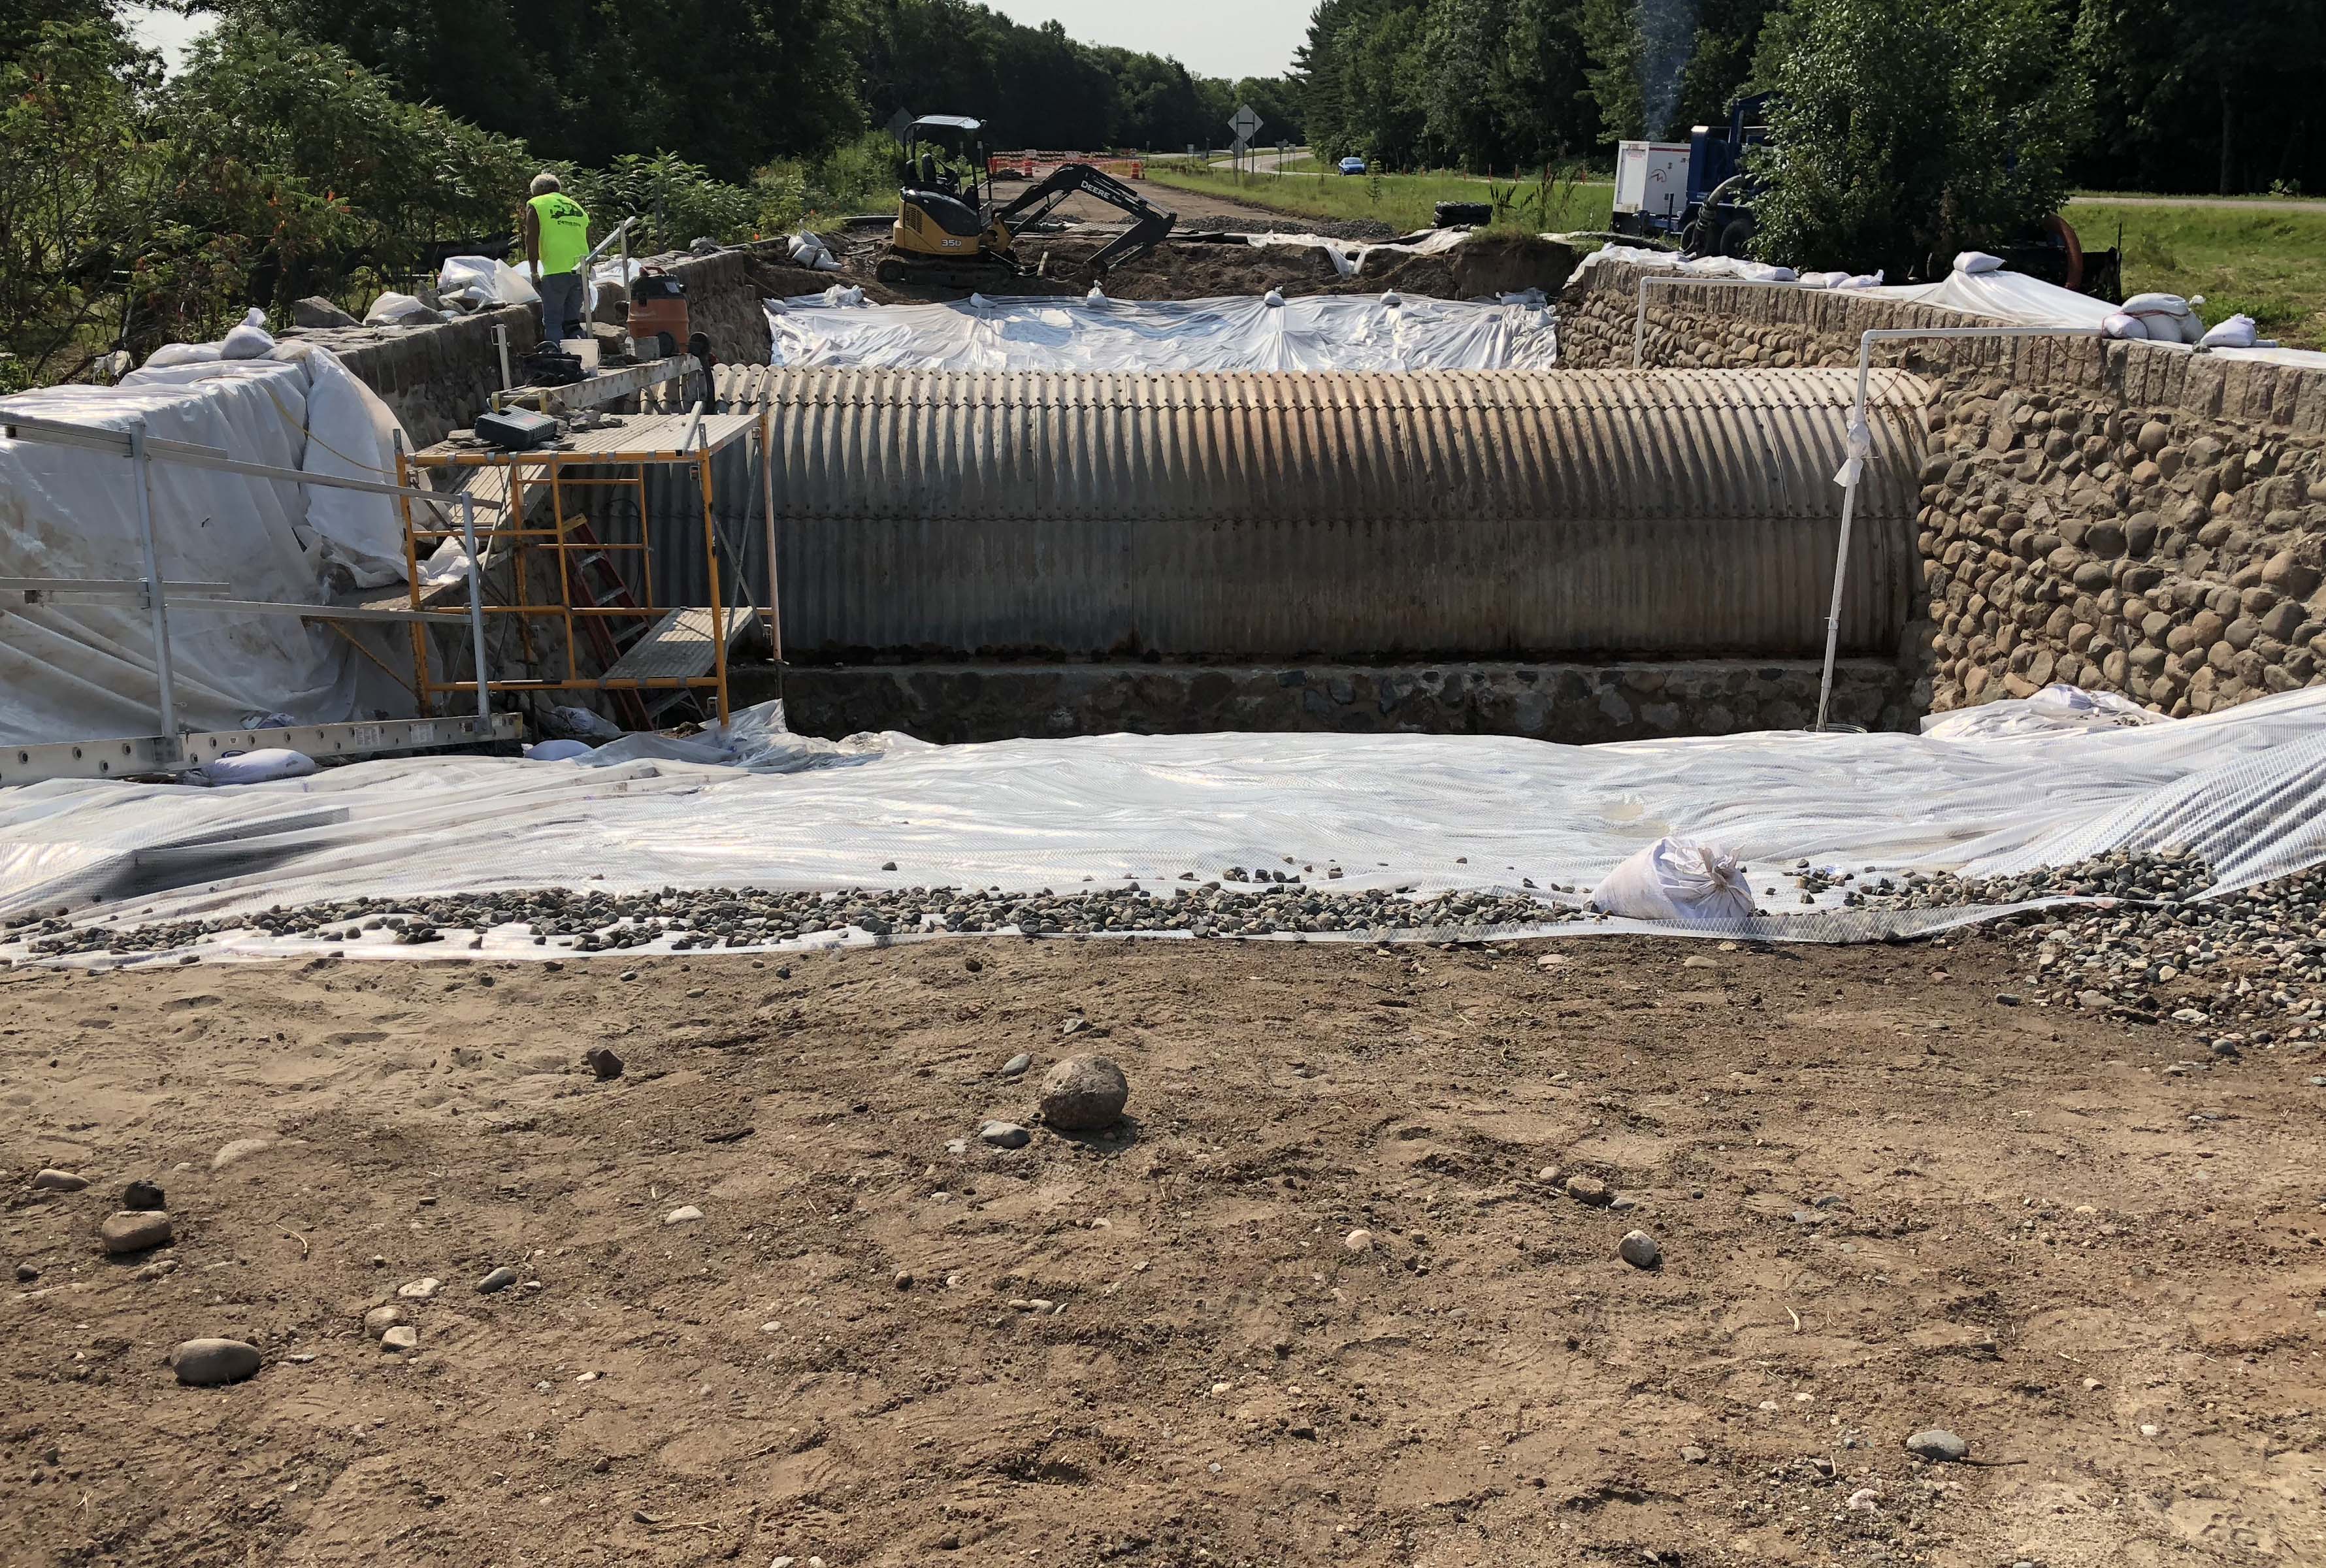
column 1651, row 178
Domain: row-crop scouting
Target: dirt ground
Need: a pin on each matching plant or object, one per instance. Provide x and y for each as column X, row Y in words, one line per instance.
column 1886, row 1201
column 1199, row 210
column 1181, row 268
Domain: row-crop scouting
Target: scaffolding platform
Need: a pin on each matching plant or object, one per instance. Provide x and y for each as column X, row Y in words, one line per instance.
column 640, row 644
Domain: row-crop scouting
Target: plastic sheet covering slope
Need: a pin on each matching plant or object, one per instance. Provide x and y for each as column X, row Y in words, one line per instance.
column 2245, row 788
column 74, row 673
column 1349, row 256
column 2024, row 302
column 1377, row 332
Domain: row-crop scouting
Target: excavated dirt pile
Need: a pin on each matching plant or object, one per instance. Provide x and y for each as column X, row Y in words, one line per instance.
column 1194, row 269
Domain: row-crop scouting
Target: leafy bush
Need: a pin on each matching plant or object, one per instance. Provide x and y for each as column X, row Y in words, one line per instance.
column 674, row 201
column 858, row 176
column 1905, row 130
column 81, row 189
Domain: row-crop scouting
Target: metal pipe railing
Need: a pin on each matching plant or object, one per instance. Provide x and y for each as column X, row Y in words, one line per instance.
column 143, row 452
column 1676, row 279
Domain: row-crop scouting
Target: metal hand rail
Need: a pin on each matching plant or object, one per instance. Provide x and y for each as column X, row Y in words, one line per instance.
column 153, row 592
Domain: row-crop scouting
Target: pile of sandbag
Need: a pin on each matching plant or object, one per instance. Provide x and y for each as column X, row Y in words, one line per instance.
column 808, row 250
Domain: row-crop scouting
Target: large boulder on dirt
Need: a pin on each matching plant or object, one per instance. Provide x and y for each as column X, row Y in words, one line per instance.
column 1084, row 1094
column 315, row 311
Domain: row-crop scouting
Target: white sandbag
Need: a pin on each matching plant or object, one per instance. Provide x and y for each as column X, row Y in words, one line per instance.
column 251, row 340
column 1872, row 279
column 2057, row 709
column 1975, row 261
column 2167, row 316
column 483, row 281
column 2236, row 332
column 394, row 310
column 557, row 751
column 2120, row 325
column 1823, row 280
column 170, row 356
column 247, row 767
column 1677, row 879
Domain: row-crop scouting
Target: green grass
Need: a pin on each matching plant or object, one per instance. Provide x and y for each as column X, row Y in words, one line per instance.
column 2269, row 265
column 1404, row 201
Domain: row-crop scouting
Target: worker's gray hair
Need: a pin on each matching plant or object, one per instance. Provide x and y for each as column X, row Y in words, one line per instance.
column 543, row 183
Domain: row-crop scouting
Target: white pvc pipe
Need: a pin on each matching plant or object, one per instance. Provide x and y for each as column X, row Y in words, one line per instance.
column 476, row 605
column 1853, row 462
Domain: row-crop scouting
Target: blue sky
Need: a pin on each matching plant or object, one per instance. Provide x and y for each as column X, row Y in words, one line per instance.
column 1230, row 38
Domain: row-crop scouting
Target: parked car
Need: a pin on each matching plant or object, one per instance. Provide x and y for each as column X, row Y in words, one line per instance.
column 1352, row 166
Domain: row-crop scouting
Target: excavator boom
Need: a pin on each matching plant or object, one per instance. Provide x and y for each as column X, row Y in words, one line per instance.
column 1149, row 224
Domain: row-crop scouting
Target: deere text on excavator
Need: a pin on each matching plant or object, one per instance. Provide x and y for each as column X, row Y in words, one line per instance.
column 950, row 232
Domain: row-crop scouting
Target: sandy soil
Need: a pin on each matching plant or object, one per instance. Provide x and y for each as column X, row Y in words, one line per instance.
column 1199, row 210
column 1886, row 1201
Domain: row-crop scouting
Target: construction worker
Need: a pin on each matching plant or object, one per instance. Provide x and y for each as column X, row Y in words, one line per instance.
column 556, row 239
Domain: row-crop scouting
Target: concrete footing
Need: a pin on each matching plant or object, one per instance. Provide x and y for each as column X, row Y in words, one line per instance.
column 1579, row 703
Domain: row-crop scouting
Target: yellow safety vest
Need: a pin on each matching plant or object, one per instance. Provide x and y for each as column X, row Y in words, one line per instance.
column 564, row 232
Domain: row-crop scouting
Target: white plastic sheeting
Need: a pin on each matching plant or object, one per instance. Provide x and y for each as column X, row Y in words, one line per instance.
column 2245, row 788
column 76, row 671
column 476, row 282
column 1349, row 255
column 1700, row 266
column 1374, row 332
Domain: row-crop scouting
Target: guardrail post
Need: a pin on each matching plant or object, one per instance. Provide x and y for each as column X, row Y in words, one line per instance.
column 156, row 601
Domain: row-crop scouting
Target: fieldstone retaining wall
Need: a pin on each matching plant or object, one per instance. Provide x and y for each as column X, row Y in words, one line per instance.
column 438, row 377
column 2117, row 515
column 1576, row 703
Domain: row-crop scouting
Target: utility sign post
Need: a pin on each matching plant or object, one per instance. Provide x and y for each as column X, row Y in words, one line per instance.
column 1244, row 124
column 899, row 123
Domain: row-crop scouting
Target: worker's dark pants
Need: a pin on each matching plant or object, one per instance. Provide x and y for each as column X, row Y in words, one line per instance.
column 561, row 306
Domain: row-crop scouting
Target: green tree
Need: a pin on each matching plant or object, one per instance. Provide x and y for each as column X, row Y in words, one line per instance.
column 82, row 194
column 2197, row 94
column 316, row 167
column 1904, row 130
column 725, row 83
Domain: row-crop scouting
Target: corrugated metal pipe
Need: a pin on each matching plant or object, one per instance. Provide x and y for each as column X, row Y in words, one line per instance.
column 1284, row 516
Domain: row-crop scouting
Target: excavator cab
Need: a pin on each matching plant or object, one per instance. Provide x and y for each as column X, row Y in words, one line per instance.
column 950, row 233
column 946, row 194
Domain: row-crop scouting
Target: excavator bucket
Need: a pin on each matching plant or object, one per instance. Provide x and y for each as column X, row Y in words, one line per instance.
column 1149, row 224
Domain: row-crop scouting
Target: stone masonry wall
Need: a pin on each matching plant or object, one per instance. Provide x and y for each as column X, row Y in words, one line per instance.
column 2116, row 516
column 1573, row 703
column 438, row 377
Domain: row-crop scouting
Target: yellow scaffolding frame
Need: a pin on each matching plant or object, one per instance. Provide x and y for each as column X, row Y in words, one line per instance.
column 639, row 442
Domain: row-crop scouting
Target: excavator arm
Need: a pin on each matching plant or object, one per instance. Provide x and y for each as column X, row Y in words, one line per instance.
column 1149, row 224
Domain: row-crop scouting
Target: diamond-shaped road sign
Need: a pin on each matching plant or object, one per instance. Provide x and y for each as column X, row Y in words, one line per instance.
column 899, row 123
column 1243, row 122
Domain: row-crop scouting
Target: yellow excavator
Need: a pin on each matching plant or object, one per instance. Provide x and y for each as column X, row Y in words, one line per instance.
column 951, row 233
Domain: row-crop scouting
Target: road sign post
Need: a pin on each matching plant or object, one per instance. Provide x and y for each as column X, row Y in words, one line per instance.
column 1245, row 125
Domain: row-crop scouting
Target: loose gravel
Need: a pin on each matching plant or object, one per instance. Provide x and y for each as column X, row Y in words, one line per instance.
column 2243, row 971
column 599, row 922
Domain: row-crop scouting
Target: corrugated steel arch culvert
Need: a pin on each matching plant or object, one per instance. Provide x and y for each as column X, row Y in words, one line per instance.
column 1287, row 515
